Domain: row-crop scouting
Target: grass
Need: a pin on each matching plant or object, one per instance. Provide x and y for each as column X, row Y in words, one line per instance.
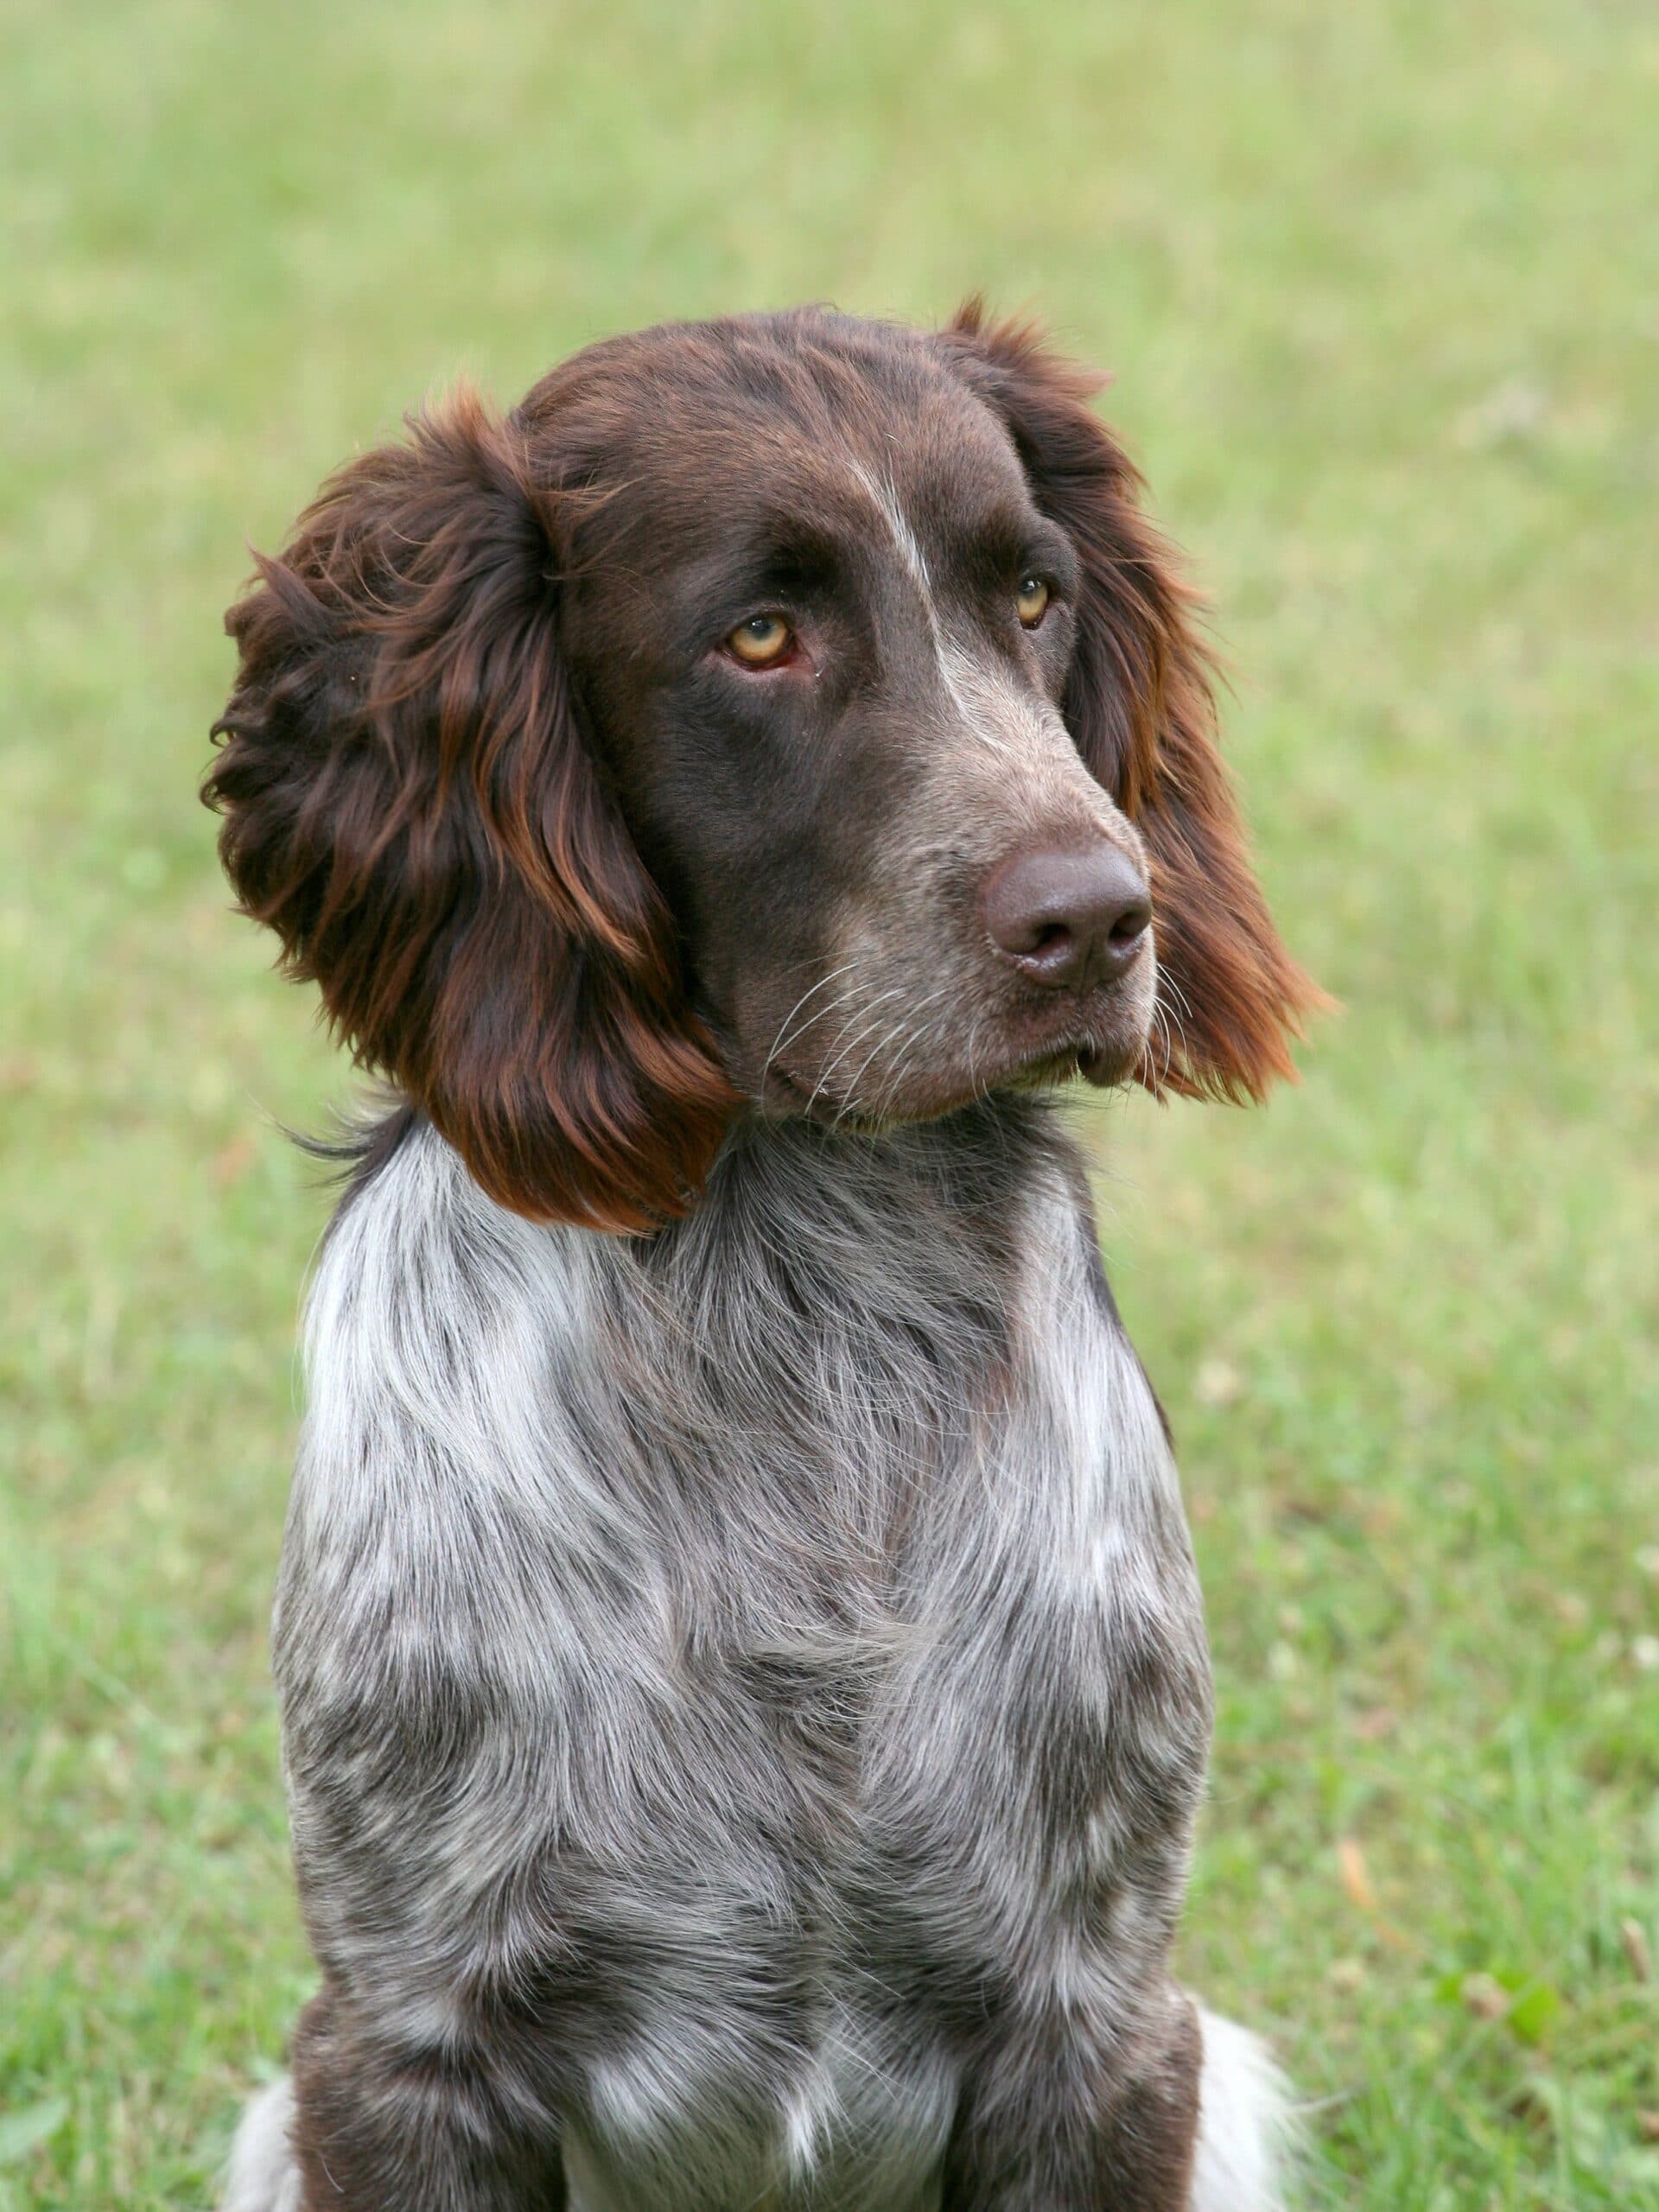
column 1380, row 284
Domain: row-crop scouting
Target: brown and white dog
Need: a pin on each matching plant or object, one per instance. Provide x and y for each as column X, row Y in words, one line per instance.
column 744, row 1682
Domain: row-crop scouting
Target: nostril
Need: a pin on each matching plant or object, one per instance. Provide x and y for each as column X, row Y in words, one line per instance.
column 1132, row 923
column 1053, row 937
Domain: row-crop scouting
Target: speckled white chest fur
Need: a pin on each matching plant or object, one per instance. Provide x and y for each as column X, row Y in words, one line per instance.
column 748, row 1659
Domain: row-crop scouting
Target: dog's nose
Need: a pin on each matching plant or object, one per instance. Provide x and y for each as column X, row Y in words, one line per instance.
column 1067, row 916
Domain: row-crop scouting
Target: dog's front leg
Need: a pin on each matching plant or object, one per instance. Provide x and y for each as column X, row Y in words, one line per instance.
column 1051, row 2122
column 372, row 2131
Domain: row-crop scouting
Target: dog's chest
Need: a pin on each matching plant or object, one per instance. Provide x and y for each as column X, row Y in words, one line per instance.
column 852, row 1488
column 795, row 1618
column 1007, row 1546
column 966, row 1629
column 929, row 1534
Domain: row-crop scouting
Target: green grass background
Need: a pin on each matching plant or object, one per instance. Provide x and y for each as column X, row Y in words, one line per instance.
column 1381, row 284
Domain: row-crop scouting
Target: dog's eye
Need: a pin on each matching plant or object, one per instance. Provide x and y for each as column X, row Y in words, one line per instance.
column 762, row 640
column 1032, row 600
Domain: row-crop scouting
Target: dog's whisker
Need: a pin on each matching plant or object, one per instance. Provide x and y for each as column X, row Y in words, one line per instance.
column 778, row 1042
column 900, row 1051
column 883, row 1043
column 858, row 1030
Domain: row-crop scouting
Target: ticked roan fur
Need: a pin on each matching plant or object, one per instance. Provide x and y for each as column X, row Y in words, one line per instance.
column 744, row 1685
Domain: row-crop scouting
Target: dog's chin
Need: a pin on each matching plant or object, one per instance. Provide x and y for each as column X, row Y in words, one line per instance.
column 1104, row 1070
column 1102, row 1066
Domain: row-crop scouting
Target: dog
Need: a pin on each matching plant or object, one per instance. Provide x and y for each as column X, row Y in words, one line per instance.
column 743, row 1676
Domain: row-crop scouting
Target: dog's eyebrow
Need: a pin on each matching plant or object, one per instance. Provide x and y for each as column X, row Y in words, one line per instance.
column 1007, row 540
column 792, row 563
column 985, row 547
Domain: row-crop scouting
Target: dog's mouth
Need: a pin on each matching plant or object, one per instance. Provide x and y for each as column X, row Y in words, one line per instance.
column 1105, row 1053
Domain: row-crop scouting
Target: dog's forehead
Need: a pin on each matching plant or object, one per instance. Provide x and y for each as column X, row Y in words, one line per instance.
column 824, row 421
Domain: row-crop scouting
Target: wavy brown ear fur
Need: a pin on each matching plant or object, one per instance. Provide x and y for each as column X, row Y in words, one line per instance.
column 409, row 802
column 1139, row 706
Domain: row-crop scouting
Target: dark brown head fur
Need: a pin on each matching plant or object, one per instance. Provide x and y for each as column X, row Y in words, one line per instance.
column 581, row 881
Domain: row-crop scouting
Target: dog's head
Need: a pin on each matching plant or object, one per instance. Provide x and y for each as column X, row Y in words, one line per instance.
column 793, row 709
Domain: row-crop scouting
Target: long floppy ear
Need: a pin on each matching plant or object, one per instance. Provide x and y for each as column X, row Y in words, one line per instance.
column 410, row 803
column 1139, row 706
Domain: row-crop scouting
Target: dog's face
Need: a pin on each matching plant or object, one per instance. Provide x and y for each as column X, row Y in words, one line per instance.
column 795, row 710
column 824, row 660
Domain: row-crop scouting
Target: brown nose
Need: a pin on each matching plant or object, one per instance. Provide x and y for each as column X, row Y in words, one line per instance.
column 1067, row 916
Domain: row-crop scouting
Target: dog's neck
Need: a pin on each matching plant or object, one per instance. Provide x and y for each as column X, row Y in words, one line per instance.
column 844, row 1200
column 842, row 1322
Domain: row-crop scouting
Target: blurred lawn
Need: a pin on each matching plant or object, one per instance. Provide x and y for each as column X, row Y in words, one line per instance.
column 1381, row 286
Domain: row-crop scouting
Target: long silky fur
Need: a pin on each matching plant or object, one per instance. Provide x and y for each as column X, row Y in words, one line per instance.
column 744, row 1692
column 867, row 1418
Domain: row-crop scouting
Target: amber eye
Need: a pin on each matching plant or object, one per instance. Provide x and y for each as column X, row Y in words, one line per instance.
column 760, row 640
column 1032, row 600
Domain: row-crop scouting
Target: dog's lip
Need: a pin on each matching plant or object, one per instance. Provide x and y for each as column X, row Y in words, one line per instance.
column 1093, row 1039
column 1086, row 1037
column 1102, row 1064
